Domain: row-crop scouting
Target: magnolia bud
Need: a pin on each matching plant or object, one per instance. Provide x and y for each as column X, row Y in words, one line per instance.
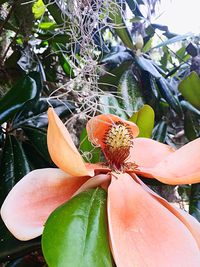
column 139, row 42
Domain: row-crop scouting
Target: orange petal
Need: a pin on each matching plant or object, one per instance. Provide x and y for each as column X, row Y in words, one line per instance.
column 99, row 125
column 147, row 152
column 97, row 167
column 62, row 149
column 190, row 222
column 33, row 198
column 143, row 232
column 180, row 167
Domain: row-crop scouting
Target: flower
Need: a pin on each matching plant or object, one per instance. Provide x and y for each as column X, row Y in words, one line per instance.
column 144, row 229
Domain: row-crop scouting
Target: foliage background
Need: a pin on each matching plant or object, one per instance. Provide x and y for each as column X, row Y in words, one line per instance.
column 84, row 58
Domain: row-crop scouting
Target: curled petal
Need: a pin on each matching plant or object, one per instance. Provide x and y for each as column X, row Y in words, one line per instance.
column 190, row 222
column 30, row 202
column 98, row 126
column 101, row 179
column 180, row 167
column 143, row 232
column 147, row 152
column 62, row 149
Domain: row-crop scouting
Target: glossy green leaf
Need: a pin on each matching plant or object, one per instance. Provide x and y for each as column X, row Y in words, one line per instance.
column 38, row 9
column 13, row 167
column 23, row 91
column 191, row 126
column 194, row 207
column 64, row 61
column 37, row 116
column 147, row 65
column 190, row 89
column 90, row 153
column 11, row 248
column 47, row 25
column 31, row 260
column 144, row 119
column 166, row 92
column 175, row 39
column 134, row 7
column 119, row 25
column 38, row 139
column 130, row 96
column 55, row 11
column 187, row 106
column 114, row 64
column 76, row 232
column 160, row 132
column 109, row 104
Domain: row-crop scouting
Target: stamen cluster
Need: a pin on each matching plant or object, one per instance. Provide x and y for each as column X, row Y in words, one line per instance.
column 118, row 140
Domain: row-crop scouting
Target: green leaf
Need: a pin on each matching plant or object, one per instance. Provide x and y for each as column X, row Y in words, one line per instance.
column 115, row 64
column 23, row 91
column 119, row 25
column 90, row 153
column 64, row 61
column 49, row 25
column 37, row 116
column 175, row 39
column 109, row 105
column 14, row 166
column 165, row 91
column 191, row 126
column 144, row 119
column 147, row 65
column 130, row 96
column 55, row 11
column 38, row 139
column 187, row 106
column 160, row 131
column 38, row 9
column 190, row 89
column 11, row 248
column 194, row 208
column 76, row 232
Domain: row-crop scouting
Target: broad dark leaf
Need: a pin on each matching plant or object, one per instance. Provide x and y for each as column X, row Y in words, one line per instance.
column 160, row 131
column 166, row 92
column 76, row 232
column 38, row 139
column 119, row 25
column 115, row 64
column 109, row 104
column 17, row 96
column 130, row 95
column 37, row 116
column 11, row 248
column 14, row 165
column 191, row 126
column 187, row 106
column 147, row 65
column 194, row 208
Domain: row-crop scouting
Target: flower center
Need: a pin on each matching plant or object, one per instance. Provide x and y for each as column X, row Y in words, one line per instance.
column 118, row 140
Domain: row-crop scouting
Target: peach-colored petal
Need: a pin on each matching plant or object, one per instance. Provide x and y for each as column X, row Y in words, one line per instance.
column 143, row 232
column 94, row 182
column 98, row 167
column 190, row 222
column 34, row 197
column 99, row 125
column 147, row 152
column 180, row 167
column 62, row 149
